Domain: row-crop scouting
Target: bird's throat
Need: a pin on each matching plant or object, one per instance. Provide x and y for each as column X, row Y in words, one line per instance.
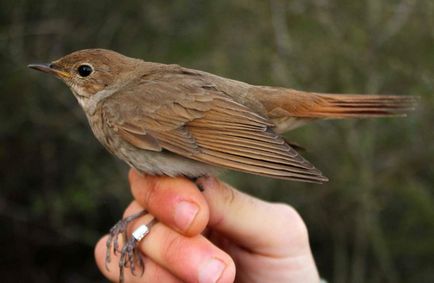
column 90, row 103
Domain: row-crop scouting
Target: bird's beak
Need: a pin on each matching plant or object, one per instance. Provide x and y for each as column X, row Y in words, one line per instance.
column 49, row 68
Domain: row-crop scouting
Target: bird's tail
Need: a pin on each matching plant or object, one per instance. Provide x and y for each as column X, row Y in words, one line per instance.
column 361, row 106
column 283, row 102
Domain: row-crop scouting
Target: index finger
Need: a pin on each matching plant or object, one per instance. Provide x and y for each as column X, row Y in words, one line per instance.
column 176, row 202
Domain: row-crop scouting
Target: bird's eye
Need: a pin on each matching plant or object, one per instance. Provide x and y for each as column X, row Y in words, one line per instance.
column 84, row 70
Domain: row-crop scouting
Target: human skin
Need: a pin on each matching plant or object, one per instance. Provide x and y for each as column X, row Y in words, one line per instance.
column 218, row 235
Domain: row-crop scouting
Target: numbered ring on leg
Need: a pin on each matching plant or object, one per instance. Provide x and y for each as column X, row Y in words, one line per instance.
column 142, row 231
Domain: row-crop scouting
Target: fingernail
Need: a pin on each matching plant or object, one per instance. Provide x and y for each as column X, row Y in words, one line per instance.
column 185, row 212
column 211, row 271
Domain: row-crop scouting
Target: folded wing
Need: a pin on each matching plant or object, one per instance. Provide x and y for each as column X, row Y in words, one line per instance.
column 192, row 119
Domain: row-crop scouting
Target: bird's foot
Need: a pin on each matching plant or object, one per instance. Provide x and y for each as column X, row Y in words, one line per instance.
column 129, row 254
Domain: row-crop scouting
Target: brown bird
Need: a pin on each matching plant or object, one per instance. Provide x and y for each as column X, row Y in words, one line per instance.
column 169, row 120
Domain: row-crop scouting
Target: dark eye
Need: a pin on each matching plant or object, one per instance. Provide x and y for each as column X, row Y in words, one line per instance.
column 84, row 70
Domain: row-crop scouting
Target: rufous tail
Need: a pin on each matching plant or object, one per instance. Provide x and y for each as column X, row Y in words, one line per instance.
column 283, row 102
column 361, row 106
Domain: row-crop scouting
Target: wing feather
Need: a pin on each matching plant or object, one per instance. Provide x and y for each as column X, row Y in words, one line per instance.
column 205, row 124
column 241, row 145
column 211, row 158
column 143, row 141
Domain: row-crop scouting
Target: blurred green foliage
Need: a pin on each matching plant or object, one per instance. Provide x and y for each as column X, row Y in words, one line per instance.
column 60, row 190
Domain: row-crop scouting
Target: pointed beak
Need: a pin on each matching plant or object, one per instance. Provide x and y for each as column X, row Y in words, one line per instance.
column 49, row 68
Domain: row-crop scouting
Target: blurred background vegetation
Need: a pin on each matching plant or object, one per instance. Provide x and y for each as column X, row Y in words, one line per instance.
column 60, row 190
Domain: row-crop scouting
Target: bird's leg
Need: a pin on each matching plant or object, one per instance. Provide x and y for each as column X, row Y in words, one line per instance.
column 128, row 253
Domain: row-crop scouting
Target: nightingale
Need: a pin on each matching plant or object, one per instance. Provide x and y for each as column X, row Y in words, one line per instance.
column 170, row 120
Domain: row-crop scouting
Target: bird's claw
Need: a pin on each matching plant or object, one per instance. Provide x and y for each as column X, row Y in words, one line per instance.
column 129, row 252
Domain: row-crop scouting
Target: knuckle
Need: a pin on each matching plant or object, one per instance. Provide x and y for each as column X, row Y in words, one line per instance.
column 227, row 193
column 144, row 187
column 223, row 190
column 145, row 194
column 173, row 249
column 294, row 230
column 152, row 272
column 154, row 186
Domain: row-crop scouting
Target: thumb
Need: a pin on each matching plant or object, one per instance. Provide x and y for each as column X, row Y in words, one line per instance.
column 266, row 228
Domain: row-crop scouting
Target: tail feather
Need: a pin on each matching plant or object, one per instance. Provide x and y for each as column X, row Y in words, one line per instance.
column 287, row 106
column 361, row 106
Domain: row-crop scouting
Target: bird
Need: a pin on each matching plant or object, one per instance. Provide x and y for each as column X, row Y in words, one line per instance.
column 170, row 120
column 165, row 119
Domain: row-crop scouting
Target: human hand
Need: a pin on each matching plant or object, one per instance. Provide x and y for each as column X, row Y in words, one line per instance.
column 222, row 228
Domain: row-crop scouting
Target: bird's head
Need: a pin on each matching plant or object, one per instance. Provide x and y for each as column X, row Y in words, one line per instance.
column 91, row 71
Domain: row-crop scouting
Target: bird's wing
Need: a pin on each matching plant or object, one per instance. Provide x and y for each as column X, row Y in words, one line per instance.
column 192, row 118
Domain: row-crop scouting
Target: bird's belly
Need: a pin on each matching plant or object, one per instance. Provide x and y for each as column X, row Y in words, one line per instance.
column 147, row 161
